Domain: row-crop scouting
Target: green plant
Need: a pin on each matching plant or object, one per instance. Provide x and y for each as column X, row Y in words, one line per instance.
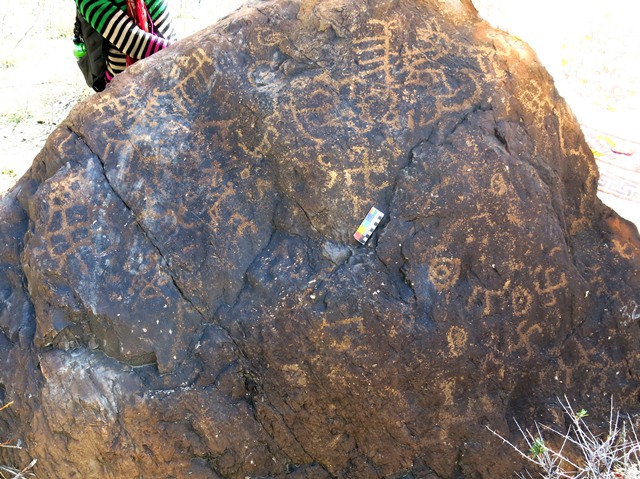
column 17, row 117
column 7, row 62
column 582, row 414
column 8, row 172
column 537, row 448
column 582, row 454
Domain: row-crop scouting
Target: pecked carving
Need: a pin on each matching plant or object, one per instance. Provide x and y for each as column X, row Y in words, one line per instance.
column 182, row 295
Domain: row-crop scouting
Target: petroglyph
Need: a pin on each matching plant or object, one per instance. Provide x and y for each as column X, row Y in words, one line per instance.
column 548, row 282
column 521, row 301
column 457, row 339
column 190, row 232
column 516, row 300
column 444, row 272
column 624, row 248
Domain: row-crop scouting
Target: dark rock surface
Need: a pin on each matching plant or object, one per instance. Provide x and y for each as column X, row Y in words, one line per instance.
column 182, row 295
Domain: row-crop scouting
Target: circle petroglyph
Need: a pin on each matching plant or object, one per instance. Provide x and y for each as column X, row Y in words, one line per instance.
column 444, row 272
column 521, row 301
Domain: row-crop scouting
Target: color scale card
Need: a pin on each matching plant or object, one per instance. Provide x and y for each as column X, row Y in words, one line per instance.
column 368, row 225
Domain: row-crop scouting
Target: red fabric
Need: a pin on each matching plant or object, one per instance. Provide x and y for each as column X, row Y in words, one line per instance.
column 137, row 11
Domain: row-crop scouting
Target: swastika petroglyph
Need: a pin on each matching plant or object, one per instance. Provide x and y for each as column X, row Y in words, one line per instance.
column 548, row 282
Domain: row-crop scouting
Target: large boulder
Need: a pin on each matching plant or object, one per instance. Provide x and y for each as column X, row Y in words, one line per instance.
column 182, row 295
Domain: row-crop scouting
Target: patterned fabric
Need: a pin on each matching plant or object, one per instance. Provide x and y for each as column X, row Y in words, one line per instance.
column 137, row 11
column 109, row 17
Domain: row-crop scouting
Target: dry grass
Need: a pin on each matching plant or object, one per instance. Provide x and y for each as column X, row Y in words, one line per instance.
column 579, row 453
column 18, row 473
column 8, row 472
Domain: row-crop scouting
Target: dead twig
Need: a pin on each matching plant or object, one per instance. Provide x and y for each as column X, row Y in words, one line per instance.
column 16, row 474
column 613, row 455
